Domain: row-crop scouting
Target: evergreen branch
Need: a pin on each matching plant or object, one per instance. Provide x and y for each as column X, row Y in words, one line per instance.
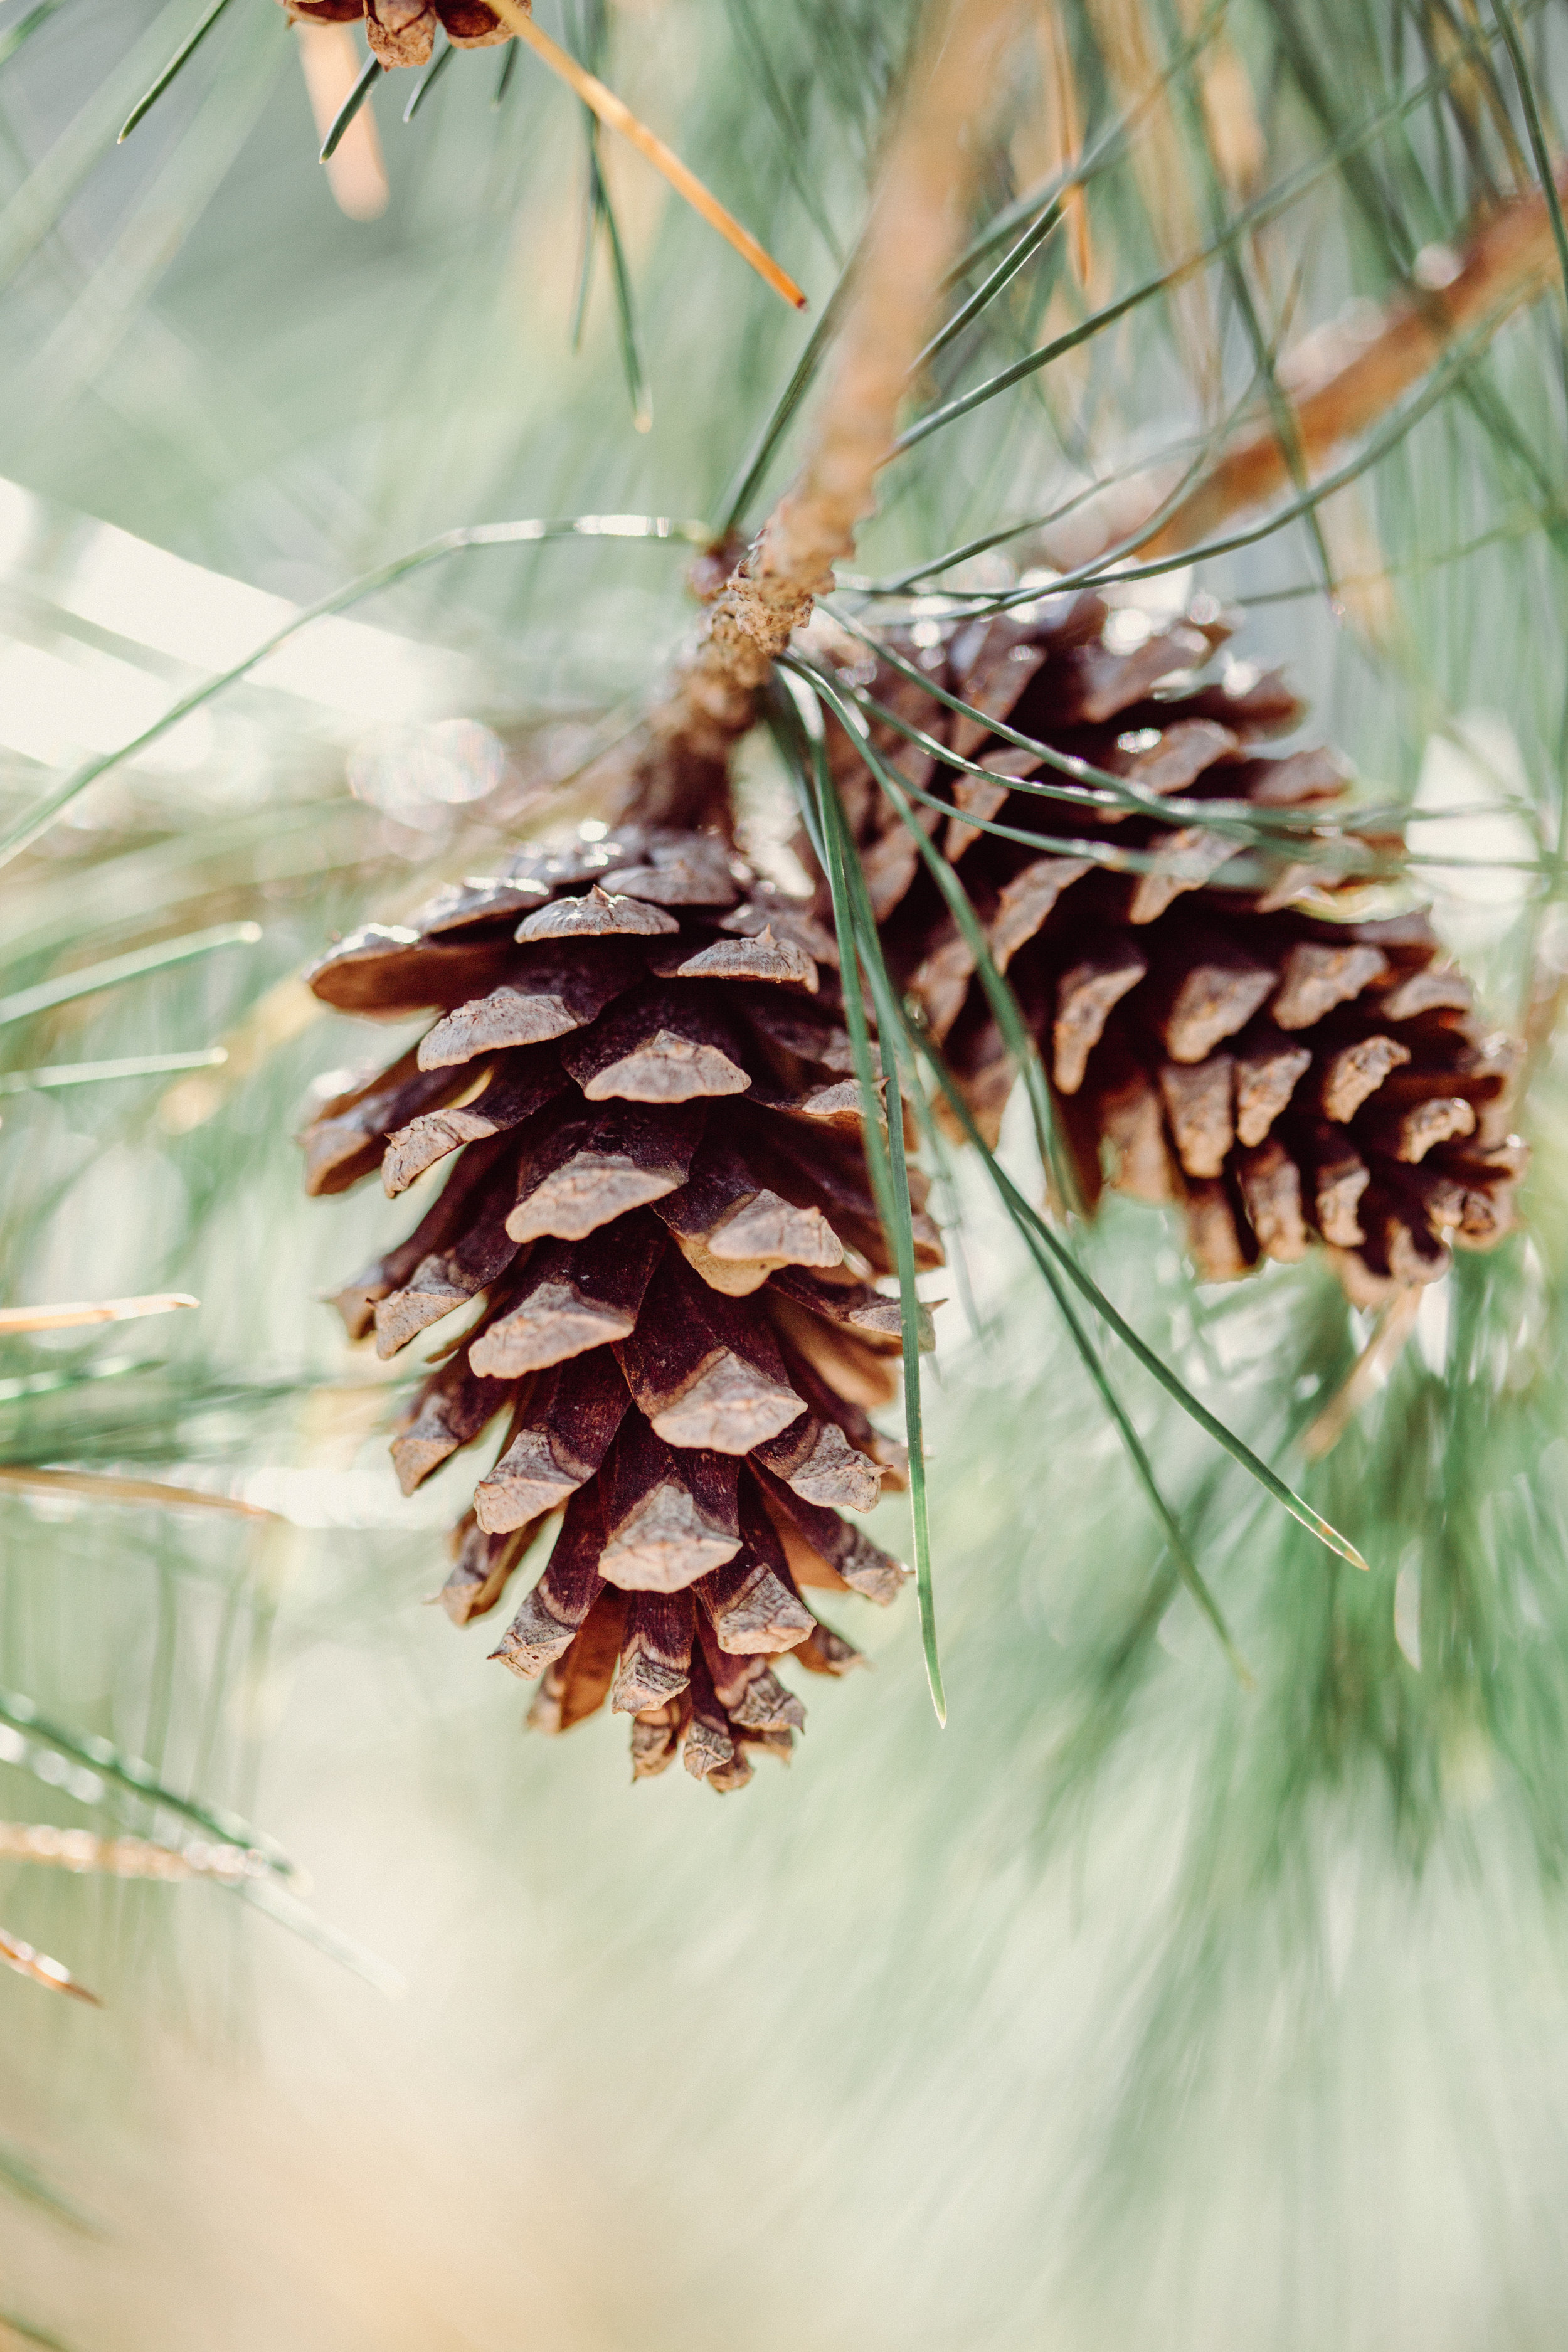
column 1038, row 211
column 1244, row 224
column 1107, row 149
column 1165, row 530
column 1507, row 262
column 679, row 758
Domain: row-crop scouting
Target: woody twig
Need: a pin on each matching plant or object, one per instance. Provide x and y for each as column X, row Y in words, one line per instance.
column 1337, row 383
column 676, row 761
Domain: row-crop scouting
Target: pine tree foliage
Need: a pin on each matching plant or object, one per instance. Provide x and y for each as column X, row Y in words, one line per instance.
column 487, row 385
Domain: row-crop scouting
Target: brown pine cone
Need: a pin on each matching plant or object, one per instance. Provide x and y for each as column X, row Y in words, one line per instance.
column 1279, row 1072
column 403, row 32
column 660, row 1198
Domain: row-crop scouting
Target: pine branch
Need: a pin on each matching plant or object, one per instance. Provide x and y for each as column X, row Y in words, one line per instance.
column 678, row 759
column 1335, row 388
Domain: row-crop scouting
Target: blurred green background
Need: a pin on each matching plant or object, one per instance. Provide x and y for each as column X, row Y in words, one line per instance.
column 1136, row 2009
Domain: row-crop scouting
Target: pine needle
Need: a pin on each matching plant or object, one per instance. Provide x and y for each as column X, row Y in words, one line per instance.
column 618, row 116
column 107, row 1486
column 429, row 79
column 99, row 1760
column 20, row 2178
column 180, row 58
column 37, row 821
column 25, row 2332
column 370, row 74
column 37, row 1967
column 94, row 1074
column 1233, row 1445
column 860, row 949
column 83, row 1854
column 1009, row 1017
column 18, row 1319
column 73, row 986
column 12, row 39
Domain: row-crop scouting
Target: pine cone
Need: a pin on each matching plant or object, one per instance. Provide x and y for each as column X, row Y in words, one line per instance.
column 660, row 1195
column 1279, row 1072
column 403, row 32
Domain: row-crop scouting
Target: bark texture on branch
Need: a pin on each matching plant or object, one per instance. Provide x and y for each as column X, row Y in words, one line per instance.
column 1339, row 384
column 676, row 764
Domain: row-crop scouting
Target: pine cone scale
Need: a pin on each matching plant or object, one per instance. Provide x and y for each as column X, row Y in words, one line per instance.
column 658, row 1193
column 1205, row 1044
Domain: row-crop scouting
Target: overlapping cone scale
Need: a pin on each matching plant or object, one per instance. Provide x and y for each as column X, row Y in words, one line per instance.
column 1283, row 1071
column 648, row 1185
column 403, row 32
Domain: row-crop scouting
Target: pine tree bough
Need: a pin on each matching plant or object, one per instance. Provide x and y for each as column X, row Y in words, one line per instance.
column 1280, row 1071
column 1335, row 384
column 659, row 1215
column 677, row 764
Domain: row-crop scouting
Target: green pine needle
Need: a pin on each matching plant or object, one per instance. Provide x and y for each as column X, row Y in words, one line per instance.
column 12, row 39
column 175, row 66
column 72, row 986
column 370, row 74
column 427, row 80
column 859, row 951
column 102, row 1759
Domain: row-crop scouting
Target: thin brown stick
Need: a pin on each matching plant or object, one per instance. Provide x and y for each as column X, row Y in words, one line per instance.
column 619, row 117
column 1337, row 386
column 103, row 1487
column 15, row 1319
column 82, row 1851
column 53, row 1975
column 1367, row 1374
column 917, row 224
